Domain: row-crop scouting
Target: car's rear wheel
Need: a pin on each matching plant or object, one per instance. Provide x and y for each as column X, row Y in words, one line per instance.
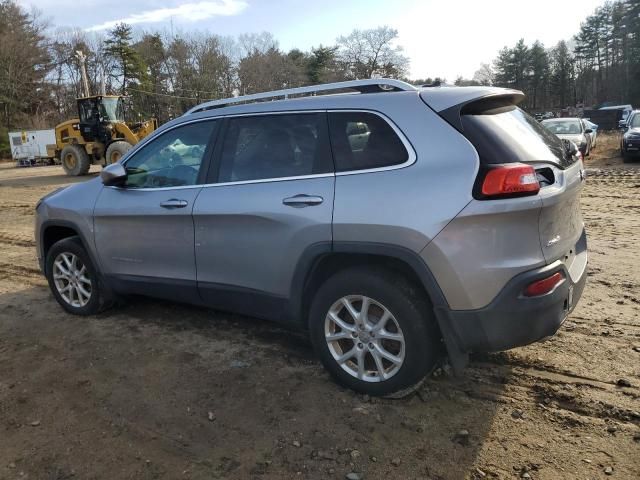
column 73, row 279
column 374, row 331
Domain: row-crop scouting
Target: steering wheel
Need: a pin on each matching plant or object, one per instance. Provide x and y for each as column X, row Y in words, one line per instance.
column 184, row 173
column 153, row 181
column 175, row 160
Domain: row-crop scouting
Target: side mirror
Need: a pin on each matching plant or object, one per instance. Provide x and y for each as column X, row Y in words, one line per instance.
column 588, row 130
column 113, row 175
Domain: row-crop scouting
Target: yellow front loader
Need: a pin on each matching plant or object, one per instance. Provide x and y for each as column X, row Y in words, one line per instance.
column 99, row 135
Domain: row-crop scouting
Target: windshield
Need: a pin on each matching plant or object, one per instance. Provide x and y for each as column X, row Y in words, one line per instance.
column 635, row 121
column 564, row 127
column 112, row 110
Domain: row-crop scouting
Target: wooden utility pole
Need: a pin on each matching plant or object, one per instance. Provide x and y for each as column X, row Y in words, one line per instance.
column 83, row 72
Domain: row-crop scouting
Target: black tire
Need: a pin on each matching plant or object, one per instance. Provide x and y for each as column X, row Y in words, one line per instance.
column 75, row 160
column 412, row 312
column 116, row 150
column 100, row 298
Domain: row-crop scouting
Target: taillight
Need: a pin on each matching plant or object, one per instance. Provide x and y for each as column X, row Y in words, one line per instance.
column 540, row 287
column 515, row 179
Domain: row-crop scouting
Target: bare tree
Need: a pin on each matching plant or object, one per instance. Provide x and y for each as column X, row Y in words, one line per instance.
column 368, row 53
column 272, row 70
column 257, row 42
column 484, row 75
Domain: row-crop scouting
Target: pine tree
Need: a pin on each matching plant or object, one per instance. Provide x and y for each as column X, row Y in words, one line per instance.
column 561, row 74
column 128, row 68
column 539, row 79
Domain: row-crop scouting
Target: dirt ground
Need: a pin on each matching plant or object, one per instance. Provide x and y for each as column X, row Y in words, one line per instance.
column 154, row 390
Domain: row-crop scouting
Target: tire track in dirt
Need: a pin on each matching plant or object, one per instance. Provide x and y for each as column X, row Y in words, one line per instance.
column 552, row 388
column 21, row 273
column 554, row 398
column 16, row 240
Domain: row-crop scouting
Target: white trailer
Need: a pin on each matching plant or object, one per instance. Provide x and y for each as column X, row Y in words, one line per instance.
column 29, row 147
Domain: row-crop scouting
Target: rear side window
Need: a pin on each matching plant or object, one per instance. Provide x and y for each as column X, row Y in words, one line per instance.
column 275, row 146
column 508, row 134
column 362, row 140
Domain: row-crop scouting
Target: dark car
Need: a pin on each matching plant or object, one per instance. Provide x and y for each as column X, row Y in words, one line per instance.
column 630, row 145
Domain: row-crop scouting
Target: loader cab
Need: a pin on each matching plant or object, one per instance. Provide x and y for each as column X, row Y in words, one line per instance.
column 96, row 114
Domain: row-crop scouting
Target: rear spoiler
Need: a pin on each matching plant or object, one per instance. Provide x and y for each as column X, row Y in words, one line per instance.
column 451, row 102
column 489, row 103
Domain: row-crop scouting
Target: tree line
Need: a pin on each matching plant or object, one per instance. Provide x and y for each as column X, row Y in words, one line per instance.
column 165, row 73
column 600, row 64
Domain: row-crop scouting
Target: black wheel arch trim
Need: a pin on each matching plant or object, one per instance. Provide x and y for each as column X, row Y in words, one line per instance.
column 72, row 226
column 310, row 258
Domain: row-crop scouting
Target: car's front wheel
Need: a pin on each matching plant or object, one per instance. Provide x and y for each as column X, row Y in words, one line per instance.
column 374, row 331
column 73, row 279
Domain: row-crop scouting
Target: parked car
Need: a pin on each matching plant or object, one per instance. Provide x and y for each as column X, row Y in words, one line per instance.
column 630, row 144
column 394, row 225
column 588, row 125
column 572, row 129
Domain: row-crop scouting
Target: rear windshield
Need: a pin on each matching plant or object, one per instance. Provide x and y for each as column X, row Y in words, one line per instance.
column 563, row 127
column 508, row 134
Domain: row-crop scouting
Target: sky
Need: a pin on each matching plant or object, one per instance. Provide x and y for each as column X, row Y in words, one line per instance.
column 445, row 38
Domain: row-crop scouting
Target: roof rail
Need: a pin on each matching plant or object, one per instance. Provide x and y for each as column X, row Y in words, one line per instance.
column 372, row 85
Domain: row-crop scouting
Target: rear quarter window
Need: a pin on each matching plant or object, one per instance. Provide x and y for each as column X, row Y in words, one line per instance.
column 508, row 134
column 363, row 140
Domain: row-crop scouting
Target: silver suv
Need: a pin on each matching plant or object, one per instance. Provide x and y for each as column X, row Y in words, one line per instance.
column 396, row 224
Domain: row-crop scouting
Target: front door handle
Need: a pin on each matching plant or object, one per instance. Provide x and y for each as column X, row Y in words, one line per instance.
column 301, row 201
column 174, row 203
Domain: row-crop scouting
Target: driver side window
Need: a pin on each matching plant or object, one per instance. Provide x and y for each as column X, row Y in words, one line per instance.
column 171, row 160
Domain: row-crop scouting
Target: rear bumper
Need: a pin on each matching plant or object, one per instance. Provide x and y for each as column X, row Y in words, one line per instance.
column 630, row 147
column 511, row 319
column 631, row 153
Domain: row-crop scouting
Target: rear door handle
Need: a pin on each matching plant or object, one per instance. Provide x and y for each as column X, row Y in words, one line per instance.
column 301, row 201
column 174, row 203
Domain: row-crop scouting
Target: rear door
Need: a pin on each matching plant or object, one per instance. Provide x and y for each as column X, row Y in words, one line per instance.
column 144, row 230
column 269, row 201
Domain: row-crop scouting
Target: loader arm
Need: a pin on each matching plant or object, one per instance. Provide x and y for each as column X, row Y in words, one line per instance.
column 134, row 134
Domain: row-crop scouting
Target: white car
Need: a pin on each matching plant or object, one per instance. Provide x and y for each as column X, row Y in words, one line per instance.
column 594, row 131
column 572, row 129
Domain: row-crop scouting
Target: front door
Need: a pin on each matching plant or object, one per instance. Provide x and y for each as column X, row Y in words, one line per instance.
column 144, row 230
column 271, row 201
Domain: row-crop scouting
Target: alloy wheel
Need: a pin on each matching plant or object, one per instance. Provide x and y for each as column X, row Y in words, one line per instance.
column 364, row 338
column 72, row 280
